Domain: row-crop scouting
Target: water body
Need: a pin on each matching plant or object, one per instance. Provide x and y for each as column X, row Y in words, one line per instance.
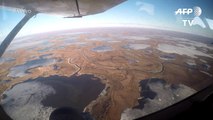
column 22, row 70
column 70, row 39
column 182, row 49
column 191, row 64
column 75, row 91
column 56, row 67
column 79, row 43
column 22, row 101
column 4, row 81
column 37, row 98
column 102, row 48
column 101, row 38
column 6, row 59
column 45, row 56
column 168, row 57
column 136, row 46
column 136, row 38
column 73, row 33
column 30, row 45
column 156, row 94
column 162, row 92
column 73, row 40
column 132, row 61
column 205, row 67
column 51, row 48
column 46, row 49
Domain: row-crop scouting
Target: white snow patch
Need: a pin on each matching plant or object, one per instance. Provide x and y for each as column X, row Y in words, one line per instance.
column 23, row 101
column 182, row 50
column 210, row 75
column 138, row 46
column 136, row 38
column 166, row 95
column 191, row 62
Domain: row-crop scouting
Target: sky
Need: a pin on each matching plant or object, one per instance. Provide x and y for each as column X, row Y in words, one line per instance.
column 157, row 14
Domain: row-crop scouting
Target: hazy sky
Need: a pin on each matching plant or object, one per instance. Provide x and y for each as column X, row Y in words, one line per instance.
column 159, row 14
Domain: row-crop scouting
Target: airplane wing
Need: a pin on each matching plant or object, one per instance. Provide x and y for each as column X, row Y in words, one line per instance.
column 65, row 8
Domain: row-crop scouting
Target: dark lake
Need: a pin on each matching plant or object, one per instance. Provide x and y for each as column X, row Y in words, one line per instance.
column 74, row 91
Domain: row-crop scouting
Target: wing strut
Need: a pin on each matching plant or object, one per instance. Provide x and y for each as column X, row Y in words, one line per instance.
column 76, row 1
column 13, row 33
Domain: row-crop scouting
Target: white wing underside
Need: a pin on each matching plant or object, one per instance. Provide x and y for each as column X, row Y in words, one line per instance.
column 65, row 8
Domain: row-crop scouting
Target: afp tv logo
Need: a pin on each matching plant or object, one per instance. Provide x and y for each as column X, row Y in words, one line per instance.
column 195, row 11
